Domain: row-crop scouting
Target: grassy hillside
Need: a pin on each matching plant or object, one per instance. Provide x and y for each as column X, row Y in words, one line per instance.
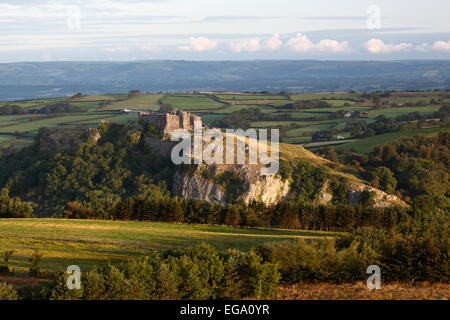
column 140, row 102
column 366, row 145
column 89, row 243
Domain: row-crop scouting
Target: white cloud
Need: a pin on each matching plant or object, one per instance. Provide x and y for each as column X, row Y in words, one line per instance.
column 378, row 46
column 273, row 43
column 255, row 44
column 328, row 45
column 442, row 46
column 301, row 43
column 199, row 44
column 247, row 45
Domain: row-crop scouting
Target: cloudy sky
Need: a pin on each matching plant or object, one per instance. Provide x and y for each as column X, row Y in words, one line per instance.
column 61, row 30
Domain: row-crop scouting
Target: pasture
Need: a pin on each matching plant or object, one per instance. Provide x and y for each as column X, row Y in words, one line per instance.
column 193, row 102
column 89, row 243
column 140, row 102
column 277, row 109
column 366, row 145
column 394, row 112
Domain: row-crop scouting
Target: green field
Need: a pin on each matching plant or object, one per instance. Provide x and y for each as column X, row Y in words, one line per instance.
column 268, row 124
column 210, row 118
column 62, row 120
column 193, row 102
column 20, row 129
column 238, row 107
column 312, row 113
column 331, row 110
column 318, row 96
column 89, row 243
column 250, row 97
column 297, row 140
column 394, row 112
column 97, row 98
column 33, row 104
column 339, row 103
column 366, row 145
column 140, row 102
column 310, row 129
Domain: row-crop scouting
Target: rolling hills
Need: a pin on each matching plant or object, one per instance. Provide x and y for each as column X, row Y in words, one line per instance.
column 55, row 79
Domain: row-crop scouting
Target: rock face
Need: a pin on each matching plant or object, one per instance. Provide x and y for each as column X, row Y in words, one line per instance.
column 197, row 187
column 253, row 187
column 358, row 192
column 268, row 190
column 381, row 198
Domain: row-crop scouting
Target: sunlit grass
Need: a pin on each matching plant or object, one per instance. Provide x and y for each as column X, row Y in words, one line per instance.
column 88, row 243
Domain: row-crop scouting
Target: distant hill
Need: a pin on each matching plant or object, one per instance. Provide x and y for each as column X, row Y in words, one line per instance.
column 28, row 80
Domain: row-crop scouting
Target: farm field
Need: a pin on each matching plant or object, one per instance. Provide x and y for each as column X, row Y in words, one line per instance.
column 366, row 145
column 88, row 243
column 193, row 102
column 140, row 102
column 314, row 128
column 299, row 125
column 326, row 95
column 393, row 112
column 250, row 97
column 238, row 107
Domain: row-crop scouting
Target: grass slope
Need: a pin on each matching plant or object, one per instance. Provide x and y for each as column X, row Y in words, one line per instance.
column 366, row 145
column 88, row 243
column 140, row 102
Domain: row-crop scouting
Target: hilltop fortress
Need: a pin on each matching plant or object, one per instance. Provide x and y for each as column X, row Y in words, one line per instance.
column 169, row 122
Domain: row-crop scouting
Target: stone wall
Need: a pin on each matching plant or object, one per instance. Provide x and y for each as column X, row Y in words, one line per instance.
column 172, row 121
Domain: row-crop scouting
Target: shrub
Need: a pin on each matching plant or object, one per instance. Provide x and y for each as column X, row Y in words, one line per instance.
column 263, row 278
column 60, row 291
column 4, row 270
column 36, row 262
column 233, row 282
column 7, row 292
column 8, row 254
column 297, row 260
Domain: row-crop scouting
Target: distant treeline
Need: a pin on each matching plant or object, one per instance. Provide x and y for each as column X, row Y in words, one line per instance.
column 61, row 107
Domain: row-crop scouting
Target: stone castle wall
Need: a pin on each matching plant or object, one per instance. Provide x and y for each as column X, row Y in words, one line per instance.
column 172, row 121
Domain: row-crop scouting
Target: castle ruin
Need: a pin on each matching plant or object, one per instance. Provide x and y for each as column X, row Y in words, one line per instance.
column 169, row 122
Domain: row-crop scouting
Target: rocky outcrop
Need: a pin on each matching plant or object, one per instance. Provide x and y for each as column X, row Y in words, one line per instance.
column 196, row 187
column 381, row 199
column 267, row 189
column 358, row 193
column 205, row 184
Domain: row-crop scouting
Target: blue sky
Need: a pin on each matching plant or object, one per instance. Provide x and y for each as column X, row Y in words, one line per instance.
column 49, row 30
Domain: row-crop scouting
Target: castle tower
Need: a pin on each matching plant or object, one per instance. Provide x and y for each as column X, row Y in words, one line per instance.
column 169, row 122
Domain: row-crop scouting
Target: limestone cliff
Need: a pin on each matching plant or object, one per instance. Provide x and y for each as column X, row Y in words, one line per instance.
column 357, row 193
column 222, row 183
column 381, row 199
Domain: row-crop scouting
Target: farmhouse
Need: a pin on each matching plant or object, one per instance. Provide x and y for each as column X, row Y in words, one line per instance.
column 169, row 122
